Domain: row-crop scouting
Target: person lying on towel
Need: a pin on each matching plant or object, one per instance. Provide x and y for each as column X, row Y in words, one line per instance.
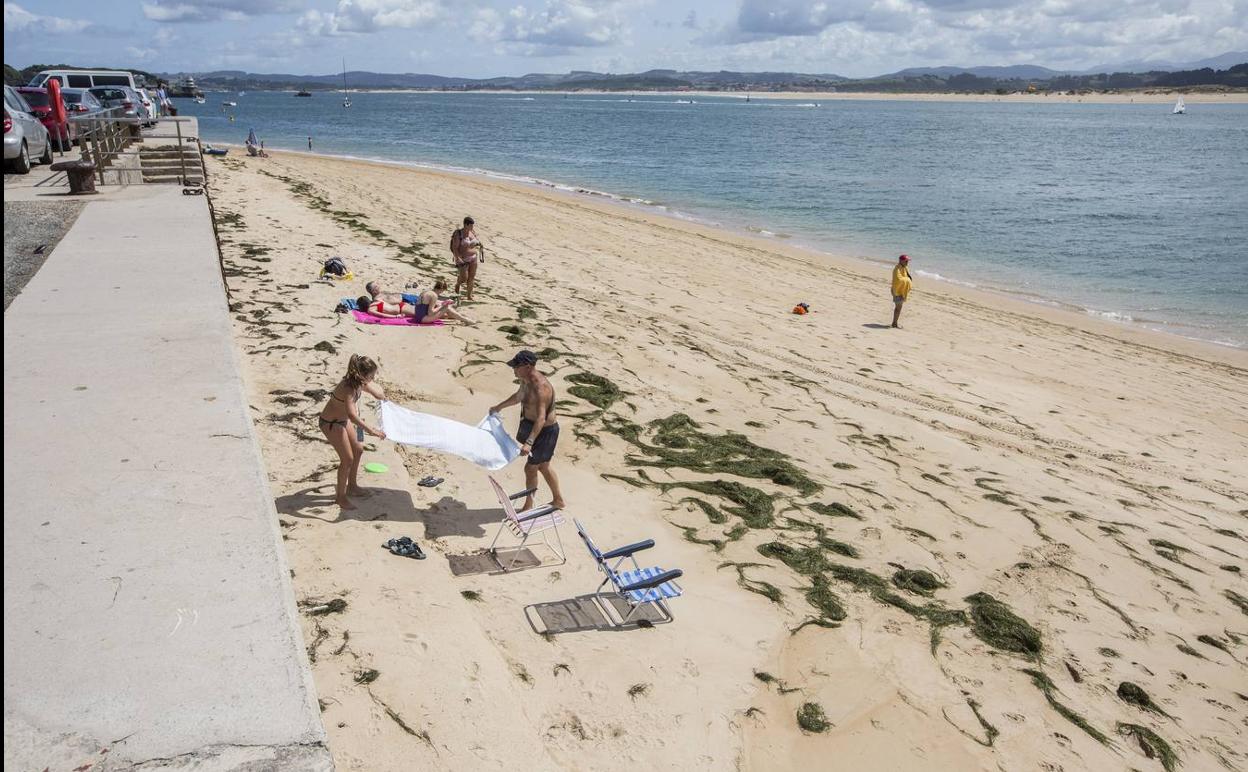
column 429, row 307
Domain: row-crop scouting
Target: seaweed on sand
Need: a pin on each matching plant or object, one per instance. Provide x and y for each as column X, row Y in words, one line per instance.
column 691, row 535
column 1152, row 745
column 804, row 560
column 712, row 514
column 594, row 389
column 835, row 509
column 754, row 507
column 766, row 589
column 1135, row 695
column 1237, row 599
column 1046, row 685
column 811, row 718
column 997, row 625
column 917, row 581
column 678, row 441
column 822, row 598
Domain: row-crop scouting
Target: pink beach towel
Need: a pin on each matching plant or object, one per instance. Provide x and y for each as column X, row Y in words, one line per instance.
column 405, row 321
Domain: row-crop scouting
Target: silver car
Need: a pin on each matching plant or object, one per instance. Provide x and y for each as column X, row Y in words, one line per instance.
column 24, row 134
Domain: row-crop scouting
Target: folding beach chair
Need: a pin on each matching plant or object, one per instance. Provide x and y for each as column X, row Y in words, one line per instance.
column 525, row 524
column 638, row 587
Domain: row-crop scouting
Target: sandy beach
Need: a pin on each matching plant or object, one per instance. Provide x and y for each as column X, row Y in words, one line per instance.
column 1004, row 537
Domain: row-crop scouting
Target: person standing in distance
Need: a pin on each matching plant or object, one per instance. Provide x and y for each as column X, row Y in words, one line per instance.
column 539, row 426
column 901, row 287
column 468, row 251
column 309, row 144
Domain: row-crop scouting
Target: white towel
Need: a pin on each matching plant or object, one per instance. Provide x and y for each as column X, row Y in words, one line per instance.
column 487, row 444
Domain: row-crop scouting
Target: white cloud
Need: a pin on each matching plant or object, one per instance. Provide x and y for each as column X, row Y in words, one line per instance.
column 214, row 10
column 365, row 16
column 18, row 19
column 557, row 29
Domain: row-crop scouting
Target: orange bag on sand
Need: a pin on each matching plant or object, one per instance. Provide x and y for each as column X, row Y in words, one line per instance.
column 801, row 309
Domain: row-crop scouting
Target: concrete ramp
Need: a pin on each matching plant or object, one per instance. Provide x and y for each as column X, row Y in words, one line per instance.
column 148, row 614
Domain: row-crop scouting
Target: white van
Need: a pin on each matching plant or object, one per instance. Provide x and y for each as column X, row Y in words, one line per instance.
column 88, row 78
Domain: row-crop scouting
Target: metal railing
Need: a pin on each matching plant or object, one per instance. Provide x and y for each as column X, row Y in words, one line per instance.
column 105, row 135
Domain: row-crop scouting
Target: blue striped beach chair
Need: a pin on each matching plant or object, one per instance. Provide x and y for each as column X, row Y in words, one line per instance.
column 637, row 587
column 522, row 525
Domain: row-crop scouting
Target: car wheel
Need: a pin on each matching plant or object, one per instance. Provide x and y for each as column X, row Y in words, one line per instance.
column 21, row 164
column 46, row 158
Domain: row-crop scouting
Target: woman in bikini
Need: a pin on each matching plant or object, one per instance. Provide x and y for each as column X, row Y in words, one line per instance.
column 336, row 419
column 466, row 249
column 429, row 309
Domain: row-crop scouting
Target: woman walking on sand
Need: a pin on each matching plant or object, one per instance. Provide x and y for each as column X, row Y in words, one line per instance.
column 901, row 287
column 467, row 251
column 336, row 419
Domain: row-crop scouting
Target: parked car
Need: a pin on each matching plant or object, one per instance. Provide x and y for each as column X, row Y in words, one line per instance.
column 64, row 134
column 119, row 96
column 149, row 107
column 79, row 101
column 24, row 135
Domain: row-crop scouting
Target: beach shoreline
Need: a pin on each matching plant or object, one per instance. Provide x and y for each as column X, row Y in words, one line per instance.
column 1048, row 308
column 858, row 511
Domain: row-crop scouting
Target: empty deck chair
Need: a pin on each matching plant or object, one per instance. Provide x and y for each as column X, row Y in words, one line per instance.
column 525, row 524
column 638, row 587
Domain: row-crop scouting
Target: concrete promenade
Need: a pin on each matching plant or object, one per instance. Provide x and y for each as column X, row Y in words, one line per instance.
column 148, row 614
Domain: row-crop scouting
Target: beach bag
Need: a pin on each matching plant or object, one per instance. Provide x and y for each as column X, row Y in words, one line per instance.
column 335, row 266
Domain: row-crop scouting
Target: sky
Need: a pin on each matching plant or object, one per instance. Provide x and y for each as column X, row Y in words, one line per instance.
column 485, row 38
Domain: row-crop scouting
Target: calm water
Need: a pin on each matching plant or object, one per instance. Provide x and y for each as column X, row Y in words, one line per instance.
column 1119, row 210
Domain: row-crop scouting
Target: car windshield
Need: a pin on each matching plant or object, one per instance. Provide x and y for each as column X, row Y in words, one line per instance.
column 72, row 97
column 36, row 98
column 109, row 93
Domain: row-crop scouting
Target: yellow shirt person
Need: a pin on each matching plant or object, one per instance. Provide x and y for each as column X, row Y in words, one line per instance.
column 901, row 286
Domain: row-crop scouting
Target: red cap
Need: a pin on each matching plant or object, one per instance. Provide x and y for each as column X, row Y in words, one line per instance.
column 905, row 258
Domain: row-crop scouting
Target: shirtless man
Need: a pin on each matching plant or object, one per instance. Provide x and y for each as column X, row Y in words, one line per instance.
column 537, row 400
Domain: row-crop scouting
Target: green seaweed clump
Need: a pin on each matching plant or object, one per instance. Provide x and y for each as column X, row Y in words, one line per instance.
column 1135, row 695
column 997, row 625
column 811, row 718
column 754, row 506
column 679, row 442
column 1046, row 685
column 594, row 389
column 835, row 509
column 1238, row 600
column 1153, row 746
column 804, row 560
column 822, row 598
column 917, row 581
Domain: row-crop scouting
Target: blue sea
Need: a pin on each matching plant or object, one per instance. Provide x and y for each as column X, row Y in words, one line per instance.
column 1122, row 211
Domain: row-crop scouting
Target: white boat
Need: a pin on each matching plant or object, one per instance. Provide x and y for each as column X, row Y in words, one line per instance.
column 1179, row 107
column 229, row 104
column 346, row 99
column 200, row 100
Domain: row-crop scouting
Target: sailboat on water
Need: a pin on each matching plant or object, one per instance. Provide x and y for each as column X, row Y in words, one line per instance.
column 346, row 99
column 1179, row 107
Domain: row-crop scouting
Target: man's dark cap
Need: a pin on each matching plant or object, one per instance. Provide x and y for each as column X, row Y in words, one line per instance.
column 523, row 358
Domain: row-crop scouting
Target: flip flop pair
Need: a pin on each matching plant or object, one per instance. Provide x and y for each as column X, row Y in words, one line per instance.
column 404, row 547
column 431, row 482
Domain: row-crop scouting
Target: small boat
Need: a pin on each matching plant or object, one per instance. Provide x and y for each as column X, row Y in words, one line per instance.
column 200, row 100
column 229, row 104
column 1179, row 107
column 210, row 150
column 303, row 93
column 346, row 99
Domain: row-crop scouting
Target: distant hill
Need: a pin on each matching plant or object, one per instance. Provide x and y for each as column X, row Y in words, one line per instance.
column 577, row 79
column 1223, row 62
column 1012, row 72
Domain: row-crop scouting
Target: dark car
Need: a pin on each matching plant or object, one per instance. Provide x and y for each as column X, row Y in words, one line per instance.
column 62, row 134
column 118, row 96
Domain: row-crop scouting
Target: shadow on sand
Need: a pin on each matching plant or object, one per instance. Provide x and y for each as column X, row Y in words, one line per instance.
column 585, row 613
column 874, row 326
column 445, row 517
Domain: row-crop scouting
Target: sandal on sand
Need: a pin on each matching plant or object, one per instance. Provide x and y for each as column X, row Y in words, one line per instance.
column 431, row 482
column 405, row 547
